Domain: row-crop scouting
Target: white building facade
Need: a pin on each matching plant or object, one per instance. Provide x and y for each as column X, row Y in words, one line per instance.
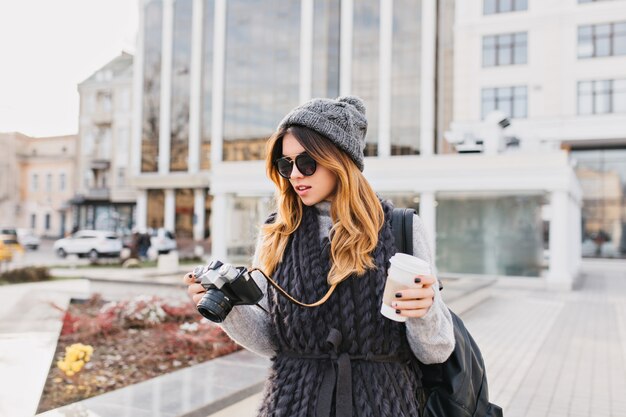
column 558, row 70
column 213, row 78
column 104, row 198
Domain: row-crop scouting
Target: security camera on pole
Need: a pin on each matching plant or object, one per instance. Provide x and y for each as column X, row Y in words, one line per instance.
column 492, row 132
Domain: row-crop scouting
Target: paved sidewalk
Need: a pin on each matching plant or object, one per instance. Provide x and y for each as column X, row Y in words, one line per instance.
column 551, row 354
column 30, row 323
column 557, row 354
column 548, row 354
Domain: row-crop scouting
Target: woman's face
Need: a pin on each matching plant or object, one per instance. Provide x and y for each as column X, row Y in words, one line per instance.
column 312, row 189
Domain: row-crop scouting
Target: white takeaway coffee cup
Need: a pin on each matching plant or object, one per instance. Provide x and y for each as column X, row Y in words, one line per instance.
column 401, row 275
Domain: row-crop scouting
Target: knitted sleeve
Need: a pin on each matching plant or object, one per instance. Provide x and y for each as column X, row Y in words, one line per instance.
column 250, row 326
column 431, row 337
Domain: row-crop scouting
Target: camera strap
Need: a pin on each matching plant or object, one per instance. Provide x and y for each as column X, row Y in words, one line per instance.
column 289, row 297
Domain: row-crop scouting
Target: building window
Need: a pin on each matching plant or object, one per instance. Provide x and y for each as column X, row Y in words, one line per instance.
column 589, row 1
column 47, row 221
column 606, row 39
column 365, row 65
column 34, row 185
column 513, row 101
column 48, row 183
column 62, row 182
column 33, row 221
column 602, row 97
column 207, row 84
column 602, row 176
column 153, row 31
column 513, row 224
column 326, row 21
column 504, row 6
column 505, row 49
column 181, row 64
column 406, row 78
column 261, row 77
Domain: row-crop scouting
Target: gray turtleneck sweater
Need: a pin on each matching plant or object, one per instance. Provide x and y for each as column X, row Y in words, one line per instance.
column 431, row 337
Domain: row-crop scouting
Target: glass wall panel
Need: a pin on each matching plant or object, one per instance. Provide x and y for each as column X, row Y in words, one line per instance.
column 490, row 235
column 405, row 77
column 261, row 74
column 602, row 175
column 153, row 28
column 246, row 216
column 181, row 64
column 365, row 61
column 184, row 213
column 326, row 27
column 156, row 209
column 207, row 83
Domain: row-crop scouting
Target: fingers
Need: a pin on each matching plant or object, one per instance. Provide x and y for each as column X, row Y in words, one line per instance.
column 415, row 293
column 189, row 278
column 413, row 313
column 414, row 302
column 425, row 280
column 197, row 297
column 424, row 303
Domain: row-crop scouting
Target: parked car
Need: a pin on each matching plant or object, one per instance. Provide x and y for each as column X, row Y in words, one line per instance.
column 91, row 243
column 162, row 241
column 28, row 238
column 8, row 236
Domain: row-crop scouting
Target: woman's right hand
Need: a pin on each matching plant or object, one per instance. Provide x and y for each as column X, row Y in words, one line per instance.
column 195, row 290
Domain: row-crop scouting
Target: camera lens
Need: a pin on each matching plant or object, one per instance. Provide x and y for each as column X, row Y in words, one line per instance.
column 215, row 306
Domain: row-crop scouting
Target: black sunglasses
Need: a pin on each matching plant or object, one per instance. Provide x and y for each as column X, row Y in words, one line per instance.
column 306, row 165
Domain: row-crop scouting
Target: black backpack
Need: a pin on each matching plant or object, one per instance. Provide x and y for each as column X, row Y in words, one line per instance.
column 457, row 387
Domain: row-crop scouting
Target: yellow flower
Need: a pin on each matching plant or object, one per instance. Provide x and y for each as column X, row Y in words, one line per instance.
column 77, row 366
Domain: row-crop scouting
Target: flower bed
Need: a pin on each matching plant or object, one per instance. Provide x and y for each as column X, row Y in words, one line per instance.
column 106, row 346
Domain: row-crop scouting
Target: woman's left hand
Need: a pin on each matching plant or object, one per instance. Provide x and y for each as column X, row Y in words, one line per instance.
column 415, row 302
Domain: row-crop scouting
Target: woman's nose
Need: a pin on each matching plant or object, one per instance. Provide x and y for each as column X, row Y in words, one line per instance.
column 295, row 172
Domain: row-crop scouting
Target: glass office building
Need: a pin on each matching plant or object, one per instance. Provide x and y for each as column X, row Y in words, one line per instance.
column 215, row 77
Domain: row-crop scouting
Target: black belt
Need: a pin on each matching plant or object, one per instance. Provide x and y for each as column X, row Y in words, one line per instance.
column 341, row 381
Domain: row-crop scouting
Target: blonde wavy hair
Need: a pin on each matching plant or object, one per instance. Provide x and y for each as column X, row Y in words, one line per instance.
column 356, row 212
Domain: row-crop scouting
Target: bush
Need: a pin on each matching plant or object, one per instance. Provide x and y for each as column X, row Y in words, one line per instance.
column 128, row 341
column 28, row 274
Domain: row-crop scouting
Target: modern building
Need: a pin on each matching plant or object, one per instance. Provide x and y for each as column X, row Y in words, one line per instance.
column 37, row 182
column 213, row 78
column 558, row 70
column 104, row 196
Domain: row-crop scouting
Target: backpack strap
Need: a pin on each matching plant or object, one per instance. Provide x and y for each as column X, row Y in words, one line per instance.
column 402, row 226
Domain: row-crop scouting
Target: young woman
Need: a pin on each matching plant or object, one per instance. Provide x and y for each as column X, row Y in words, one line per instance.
column 341, row 358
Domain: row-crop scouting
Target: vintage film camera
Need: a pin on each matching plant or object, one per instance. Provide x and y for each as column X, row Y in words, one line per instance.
column 226, row 286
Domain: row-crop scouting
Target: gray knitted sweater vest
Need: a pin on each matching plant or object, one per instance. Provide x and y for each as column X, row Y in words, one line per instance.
column 342, row 358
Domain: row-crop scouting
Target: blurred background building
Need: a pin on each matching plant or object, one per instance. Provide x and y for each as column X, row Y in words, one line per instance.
column 104, row 198
column 558, row 69
column 501, row 121
column 36, row 182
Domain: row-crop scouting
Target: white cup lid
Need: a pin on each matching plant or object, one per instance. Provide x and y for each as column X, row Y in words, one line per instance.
column 410, row 263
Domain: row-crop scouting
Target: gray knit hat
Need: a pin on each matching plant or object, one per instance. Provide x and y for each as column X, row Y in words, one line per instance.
column 342, row 121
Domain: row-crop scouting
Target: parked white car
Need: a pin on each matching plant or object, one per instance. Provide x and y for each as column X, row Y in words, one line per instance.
column 28, row 238
column 162, row 241
column 91, row 243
